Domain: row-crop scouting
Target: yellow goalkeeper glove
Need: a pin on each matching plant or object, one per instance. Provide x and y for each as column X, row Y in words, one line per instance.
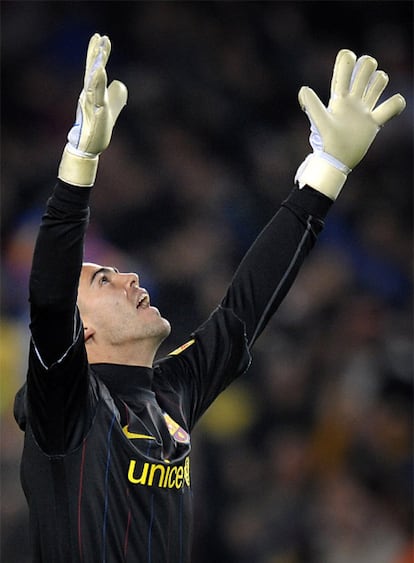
column 342, row 133
column 98, row 109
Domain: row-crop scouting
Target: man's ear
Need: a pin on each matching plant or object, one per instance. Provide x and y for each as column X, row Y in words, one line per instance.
column 88, row 332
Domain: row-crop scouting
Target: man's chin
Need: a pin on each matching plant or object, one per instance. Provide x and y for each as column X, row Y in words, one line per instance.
column 167, row 328
column 163, row 330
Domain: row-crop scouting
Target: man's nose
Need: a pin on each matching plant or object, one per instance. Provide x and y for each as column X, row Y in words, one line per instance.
column 131, row 279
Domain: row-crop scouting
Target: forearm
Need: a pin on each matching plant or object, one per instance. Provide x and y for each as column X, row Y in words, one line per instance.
column 56, row 267
column 270, row 267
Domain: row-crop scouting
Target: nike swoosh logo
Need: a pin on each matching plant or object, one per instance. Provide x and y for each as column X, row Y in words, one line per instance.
column 133, row 435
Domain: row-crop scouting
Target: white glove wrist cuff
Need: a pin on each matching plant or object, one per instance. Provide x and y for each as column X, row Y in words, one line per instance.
column 77, row 168
column 322, row 172
column 70, row 148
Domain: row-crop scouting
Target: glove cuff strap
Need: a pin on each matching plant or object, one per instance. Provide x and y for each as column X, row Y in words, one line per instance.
column 334, row 162
column 323, row 173
column 78, row 169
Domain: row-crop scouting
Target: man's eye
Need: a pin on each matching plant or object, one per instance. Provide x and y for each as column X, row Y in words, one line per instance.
column 104, row 280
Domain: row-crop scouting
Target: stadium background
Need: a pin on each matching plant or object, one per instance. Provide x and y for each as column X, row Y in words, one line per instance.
column 308, row 458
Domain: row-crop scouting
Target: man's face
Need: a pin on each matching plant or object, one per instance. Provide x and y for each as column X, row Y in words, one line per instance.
column 117, row 309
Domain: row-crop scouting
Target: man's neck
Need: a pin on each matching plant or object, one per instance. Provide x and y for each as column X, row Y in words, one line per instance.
column 123, row 355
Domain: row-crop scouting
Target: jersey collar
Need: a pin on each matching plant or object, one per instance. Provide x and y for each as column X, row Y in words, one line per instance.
column 124, row 381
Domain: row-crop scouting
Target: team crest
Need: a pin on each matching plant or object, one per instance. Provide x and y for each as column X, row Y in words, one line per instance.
column 178, row 433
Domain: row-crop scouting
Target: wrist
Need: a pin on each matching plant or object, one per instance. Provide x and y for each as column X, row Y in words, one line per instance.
column 322, row 173
column 77, row 168
column 311, row 201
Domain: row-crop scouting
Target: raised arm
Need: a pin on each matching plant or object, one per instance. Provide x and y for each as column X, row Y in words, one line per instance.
column 58, row 253
column 341, row 134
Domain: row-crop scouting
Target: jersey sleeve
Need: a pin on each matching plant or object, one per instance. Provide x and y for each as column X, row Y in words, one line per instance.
column 57, row 379
column 197, row 372
column 272, row 263
column 55, row 272
column 220, row 349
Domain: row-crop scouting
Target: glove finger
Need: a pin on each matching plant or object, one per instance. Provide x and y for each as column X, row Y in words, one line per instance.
column 117, row 96
column 389, row 109
column 98, row 53
column 314, row 108
column 97, row 88
column 363, row 70
column 92, row 50
column 342, row 72
column 375, row 88
column 106, row 49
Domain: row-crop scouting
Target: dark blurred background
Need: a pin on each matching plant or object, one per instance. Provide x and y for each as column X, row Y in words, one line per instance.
column 308, row 458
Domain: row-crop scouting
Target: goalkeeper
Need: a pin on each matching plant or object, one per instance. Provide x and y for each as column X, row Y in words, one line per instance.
column 106, row 462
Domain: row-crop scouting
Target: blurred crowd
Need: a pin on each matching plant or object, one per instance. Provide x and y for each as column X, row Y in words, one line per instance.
column 308, row 458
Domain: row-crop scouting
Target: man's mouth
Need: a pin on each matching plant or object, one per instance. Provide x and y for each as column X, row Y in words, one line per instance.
column 143, row 301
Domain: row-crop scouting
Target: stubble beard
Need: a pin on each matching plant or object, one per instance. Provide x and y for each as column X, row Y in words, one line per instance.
column 156, row 330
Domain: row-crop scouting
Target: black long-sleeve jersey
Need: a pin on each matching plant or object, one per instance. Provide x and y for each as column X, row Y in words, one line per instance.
column 106, row 461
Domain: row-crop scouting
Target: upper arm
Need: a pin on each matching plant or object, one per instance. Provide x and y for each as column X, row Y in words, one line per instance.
column 58, row 396
column 200, row 371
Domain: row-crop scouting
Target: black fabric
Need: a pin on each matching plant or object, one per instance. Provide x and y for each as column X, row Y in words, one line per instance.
column 106, row 460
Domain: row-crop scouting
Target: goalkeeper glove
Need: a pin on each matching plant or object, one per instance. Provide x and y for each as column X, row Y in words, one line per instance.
column 98, row 109
column 342, row 133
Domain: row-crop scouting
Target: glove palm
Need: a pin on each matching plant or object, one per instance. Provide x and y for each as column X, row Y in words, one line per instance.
column 342, row 133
